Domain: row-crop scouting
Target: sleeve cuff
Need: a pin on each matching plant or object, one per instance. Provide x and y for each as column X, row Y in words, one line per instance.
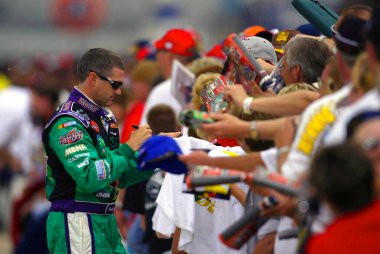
column 127, row 151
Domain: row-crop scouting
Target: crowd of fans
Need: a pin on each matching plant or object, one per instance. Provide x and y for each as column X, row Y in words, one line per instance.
column 319, row 133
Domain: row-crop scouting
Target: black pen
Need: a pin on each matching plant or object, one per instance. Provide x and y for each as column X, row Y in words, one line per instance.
column 135, row 126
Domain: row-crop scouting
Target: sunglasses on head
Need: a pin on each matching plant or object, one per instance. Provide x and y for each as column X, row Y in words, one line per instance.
column 113, row 83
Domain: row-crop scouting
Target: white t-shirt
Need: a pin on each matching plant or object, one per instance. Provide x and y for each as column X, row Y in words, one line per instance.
column 338, row 132
column 16, row 124
column 269, row 158
column 285, row 246
column 316, row 121
column 201, row 222
column 14, row 108
column 171, row 194
column 160, row 94
column 162, row 223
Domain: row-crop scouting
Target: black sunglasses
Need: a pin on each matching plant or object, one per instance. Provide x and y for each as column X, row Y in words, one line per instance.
column 113, row 83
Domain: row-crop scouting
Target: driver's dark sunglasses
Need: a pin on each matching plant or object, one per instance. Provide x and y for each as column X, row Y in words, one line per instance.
column 115, row 84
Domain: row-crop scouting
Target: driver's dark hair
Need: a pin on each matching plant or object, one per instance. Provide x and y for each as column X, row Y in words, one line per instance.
column 99, row 60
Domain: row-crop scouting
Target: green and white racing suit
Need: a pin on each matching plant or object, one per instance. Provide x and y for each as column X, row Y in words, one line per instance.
column 85, row 167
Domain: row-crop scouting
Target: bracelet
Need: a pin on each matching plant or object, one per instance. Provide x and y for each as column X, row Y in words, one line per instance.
column 253, row 133
column 247, row 105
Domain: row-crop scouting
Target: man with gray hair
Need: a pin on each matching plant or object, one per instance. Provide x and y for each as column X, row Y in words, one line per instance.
column 304, row 60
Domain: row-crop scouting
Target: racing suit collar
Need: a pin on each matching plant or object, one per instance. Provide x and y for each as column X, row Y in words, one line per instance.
column 80, row 98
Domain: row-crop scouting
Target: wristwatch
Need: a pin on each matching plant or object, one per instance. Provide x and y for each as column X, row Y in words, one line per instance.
column 247, row 105
column 253, row 133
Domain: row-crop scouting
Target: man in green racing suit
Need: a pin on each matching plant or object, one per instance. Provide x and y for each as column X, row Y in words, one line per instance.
column 86, row 164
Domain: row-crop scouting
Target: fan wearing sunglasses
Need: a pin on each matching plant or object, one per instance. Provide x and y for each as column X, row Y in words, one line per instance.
column 364, row 130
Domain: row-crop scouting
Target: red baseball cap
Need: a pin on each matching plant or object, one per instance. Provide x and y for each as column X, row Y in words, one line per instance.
column 217, row 52
column 178, row 41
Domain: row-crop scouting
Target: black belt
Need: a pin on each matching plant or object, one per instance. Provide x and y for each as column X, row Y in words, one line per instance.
column 72, row 206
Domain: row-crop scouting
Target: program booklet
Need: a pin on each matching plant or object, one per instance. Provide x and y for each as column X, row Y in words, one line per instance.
column 182, row 83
